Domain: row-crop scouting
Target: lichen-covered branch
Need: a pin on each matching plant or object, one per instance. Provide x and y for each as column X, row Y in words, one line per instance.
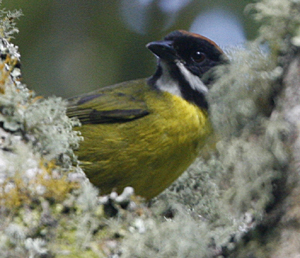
column 242, row 201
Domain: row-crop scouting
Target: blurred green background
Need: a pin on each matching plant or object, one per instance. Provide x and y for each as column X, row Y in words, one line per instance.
column 74, row 46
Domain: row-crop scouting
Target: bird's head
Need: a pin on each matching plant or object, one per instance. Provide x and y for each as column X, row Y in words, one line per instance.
column 183, row 59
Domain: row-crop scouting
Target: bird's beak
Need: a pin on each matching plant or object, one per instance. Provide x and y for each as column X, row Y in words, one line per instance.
column 163, row 49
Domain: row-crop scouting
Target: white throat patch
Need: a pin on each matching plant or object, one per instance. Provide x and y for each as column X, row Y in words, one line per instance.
column 167, row 83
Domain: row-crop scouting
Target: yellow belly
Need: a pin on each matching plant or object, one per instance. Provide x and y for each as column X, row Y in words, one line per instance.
column 147, row 153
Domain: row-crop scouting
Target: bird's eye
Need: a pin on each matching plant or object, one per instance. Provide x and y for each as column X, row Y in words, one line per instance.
column 198, row 57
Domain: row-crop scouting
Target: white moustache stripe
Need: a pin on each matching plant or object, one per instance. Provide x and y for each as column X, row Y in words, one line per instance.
column 194, row 81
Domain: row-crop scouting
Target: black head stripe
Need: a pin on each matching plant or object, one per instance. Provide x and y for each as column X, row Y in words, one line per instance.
column 192, row 56
column 185, row 41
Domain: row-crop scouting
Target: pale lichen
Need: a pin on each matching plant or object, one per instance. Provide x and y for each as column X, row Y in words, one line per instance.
column 46, row 210
column 231, row 192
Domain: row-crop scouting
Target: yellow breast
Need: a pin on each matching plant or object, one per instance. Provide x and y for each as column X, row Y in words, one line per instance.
column 147, row 153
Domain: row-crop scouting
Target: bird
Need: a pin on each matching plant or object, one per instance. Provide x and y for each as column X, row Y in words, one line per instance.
column 145, row 133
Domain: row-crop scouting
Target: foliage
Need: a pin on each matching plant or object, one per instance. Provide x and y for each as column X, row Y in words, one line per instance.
column 49, row 209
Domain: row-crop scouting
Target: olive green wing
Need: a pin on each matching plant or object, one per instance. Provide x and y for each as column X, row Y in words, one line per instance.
column 118, row 103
